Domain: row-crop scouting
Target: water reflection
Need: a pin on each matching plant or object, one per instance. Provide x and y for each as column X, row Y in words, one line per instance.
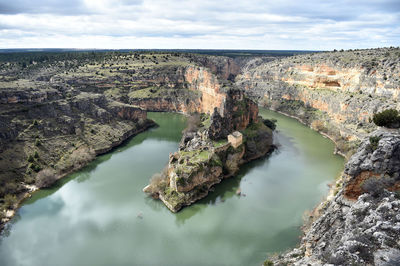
column 100, row 216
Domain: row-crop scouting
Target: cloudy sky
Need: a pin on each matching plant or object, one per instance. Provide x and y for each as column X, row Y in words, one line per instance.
column 207, row 24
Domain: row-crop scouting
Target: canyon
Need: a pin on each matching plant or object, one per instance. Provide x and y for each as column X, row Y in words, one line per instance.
column 57, row 107
column 337, row 93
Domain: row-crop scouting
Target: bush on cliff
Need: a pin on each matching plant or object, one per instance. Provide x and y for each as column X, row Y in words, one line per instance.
column 45, row 178
column 271, row 123
column 375, row 186
column 158, row 182
column 374, row 142
column 387, row 118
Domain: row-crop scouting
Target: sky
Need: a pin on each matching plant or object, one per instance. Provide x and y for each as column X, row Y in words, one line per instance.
column 200, row 24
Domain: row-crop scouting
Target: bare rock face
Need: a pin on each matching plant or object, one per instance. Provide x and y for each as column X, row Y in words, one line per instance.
column 385, row 159
column 361, row 224
column 238, row 112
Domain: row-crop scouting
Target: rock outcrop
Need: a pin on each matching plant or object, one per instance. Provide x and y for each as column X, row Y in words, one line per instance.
column 206, row 156
column 359, row 223
column 337, row 93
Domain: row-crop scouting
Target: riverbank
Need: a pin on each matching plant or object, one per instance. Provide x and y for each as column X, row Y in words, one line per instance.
column 9, row 213
column 102, row 210
column 357, row 224
column 336, row 151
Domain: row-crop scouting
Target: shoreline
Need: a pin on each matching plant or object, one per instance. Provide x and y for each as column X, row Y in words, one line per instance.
column 10, row 213
column 336, row 151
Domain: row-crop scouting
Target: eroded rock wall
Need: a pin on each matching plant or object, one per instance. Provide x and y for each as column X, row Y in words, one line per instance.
column 348, row 87
column 359, row 223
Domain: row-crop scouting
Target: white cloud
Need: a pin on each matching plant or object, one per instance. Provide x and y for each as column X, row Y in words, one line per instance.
column 253, row 24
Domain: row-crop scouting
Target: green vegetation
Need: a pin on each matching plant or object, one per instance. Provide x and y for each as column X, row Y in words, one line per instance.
column 34, row 166
column 220, row 143
column 388, row 118
column 205, row 120
column 271, row 123
column 268, row 263
column 252, row 130
column 173, row 197
column 37, row 142
column 374, row 142
column 30, row 158
column 150, row 92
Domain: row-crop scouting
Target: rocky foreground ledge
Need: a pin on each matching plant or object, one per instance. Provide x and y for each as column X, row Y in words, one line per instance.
column 359, row 224
column 232, row 136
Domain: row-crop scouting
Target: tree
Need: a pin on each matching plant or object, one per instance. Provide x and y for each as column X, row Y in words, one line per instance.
column 45, row 178
column 387, row 118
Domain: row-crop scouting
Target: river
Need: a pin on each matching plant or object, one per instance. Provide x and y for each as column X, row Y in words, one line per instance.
column 100, row 216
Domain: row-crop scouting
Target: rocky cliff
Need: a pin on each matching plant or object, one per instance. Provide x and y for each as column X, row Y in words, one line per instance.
column 336, row 92
column 207, row 155
column 51, row 129
column 59, row 110
column 359, row 224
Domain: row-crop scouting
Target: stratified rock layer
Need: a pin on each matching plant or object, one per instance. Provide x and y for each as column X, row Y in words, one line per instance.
column 336, row 91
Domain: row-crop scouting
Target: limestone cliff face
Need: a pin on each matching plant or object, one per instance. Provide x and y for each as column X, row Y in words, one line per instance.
column 12, row 95
column 348, row 87
column 359, row 223
column 205, row 82
column 193, row 89
column 337, row 93
column 236, row 113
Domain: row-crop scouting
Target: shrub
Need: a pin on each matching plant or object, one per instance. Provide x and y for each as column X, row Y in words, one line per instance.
column 36, row 155
column 30, row 159
column 318, row 125
column 387, row 118
column 374, row 142
column 268, row 263
column 82, row 156
column 78, row 158
column 9, row 201
column 375, row 186
column 158, row 182
column 271, row 123
column 45, row 178
column 35, row 167
column 37, row 142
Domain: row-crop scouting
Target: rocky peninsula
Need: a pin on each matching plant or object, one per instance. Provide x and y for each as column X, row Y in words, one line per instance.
column 233, row 135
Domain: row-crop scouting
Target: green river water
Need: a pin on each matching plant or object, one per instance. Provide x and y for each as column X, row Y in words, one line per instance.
column 100, row 216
